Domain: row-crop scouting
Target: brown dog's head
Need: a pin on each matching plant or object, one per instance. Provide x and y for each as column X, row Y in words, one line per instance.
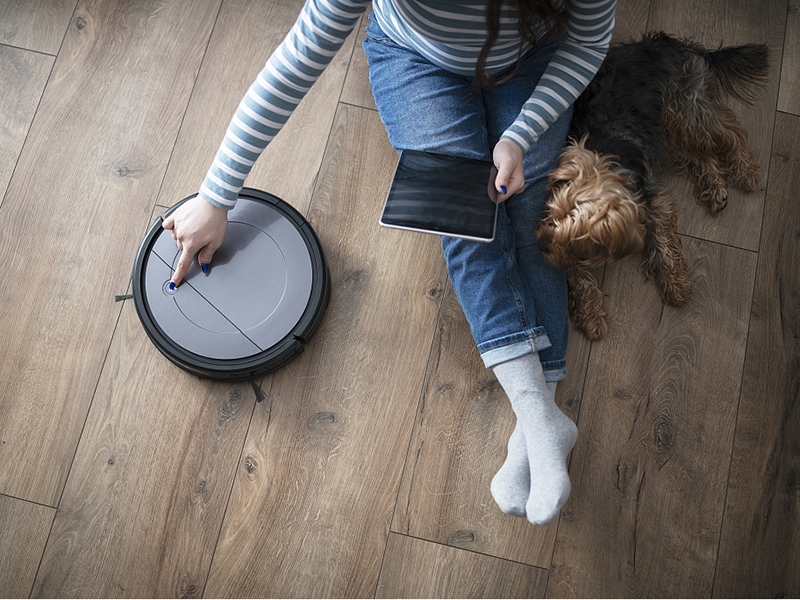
column 592, row 215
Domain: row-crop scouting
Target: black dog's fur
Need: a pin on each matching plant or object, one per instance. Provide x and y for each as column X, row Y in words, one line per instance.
column 624, row 104
column 654, row 104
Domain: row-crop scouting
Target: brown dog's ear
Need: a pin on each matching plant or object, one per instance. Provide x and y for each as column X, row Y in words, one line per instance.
column 573, row 162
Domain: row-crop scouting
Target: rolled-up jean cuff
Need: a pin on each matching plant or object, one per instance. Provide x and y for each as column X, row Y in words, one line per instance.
column 554, row 370
column 513, row 346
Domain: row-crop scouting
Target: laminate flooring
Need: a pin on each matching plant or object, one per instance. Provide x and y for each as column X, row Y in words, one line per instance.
column 364, row 469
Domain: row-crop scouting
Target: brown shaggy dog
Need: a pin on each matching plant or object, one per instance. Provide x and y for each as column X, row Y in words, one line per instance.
column 654, row 104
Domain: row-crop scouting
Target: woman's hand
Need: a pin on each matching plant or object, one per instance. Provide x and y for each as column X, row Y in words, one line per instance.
column 507, row 158
column 197, row 226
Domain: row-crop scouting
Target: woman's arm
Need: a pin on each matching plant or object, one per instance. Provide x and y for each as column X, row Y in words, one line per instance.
column 580, row 53
column 576, row 61
column 317, row 35
column 199, row 225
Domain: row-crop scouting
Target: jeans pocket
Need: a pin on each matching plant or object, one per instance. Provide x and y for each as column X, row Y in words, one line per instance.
column 379, row 40
column 375, row 33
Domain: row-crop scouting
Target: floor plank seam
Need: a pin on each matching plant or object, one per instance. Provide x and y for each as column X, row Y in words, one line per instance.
column 30, row 126
column 716, row 243
column 40, row 52
column 77, row 445
column 28, row 501
column 357, row 106
column 477, row 552
column 744, row 362
column 91, row 402
column 420, row 401
column 41, row 558
column 315, row 183
column 233, row 485
column 186, row 109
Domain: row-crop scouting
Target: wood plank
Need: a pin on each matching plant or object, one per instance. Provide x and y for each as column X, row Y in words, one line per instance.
column 147, row 492
column 357, row 89
column 289, row 166
column 23, row 75
column 631, row 19
column 725, row 22
column 761, row 534
column 311, row 506
column 38, row 26
column 25, row 527
column 74, row 215
column 789, row 95
column 460, row 437
column 418, row 569
column 569, row 392
column 650, row 467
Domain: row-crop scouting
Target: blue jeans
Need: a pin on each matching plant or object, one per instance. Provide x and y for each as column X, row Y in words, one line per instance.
column 514, row 301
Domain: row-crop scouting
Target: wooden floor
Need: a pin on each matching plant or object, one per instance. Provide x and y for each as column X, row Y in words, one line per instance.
column 365, row 470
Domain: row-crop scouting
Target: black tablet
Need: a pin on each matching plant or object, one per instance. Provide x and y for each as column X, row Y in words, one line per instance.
column 444, row 195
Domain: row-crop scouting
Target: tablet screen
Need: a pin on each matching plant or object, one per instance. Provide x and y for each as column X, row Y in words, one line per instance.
column 442, row 194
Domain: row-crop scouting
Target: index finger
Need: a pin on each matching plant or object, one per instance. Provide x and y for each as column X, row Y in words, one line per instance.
column 183, row 265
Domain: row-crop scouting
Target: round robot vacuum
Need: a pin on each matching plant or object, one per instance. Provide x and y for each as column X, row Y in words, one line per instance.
column 260, row 302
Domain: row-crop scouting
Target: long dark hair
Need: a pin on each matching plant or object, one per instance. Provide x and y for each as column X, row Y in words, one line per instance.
column 533, row 15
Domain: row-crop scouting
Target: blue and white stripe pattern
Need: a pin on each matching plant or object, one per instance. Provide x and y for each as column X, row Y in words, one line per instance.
column 315, row 38
column 580, row 53
column 449, row 34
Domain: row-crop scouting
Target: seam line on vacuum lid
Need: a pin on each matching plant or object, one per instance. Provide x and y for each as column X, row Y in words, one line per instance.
column 206, row 300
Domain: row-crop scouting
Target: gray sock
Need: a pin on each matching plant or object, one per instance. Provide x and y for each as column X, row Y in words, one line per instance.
column 511, row 485
column 549, row 435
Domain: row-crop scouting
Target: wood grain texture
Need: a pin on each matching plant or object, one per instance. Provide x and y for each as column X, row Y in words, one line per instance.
column 74, row 215
column 661, row 423
column 151, row 478
column 415, row 568
column 789, row 95
column 650, row 467
column 729, row 23
column 569, row 392
column 24, row 528
column 23, row 75
column 38, row 25
column 244, row 37
column 630, row 19
column 761, row 534
column 318, row 481
column 460, row 436
column 357, row 89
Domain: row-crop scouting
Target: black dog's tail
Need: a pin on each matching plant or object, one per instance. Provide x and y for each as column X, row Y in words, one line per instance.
column 741, row 70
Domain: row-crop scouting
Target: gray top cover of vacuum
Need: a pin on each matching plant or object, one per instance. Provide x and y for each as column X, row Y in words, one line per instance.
column 255, row 293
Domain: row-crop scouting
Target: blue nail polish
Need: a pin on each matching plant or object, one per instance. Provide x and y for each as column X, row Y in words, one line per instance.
column 171, row 285
column 503, row 189
column 204, row 266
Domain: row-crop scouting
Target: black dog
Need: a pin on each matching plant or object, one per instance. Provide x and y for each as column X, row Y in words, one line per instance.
column 654, row 104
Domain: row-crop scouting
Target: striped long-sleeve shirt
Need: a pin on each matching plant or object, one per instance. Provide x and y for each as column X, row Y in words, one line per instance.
column 449, row 33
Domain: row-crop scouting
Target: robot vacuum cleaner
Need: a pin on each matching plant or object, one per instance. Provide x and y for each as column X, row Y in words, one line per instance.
column 260, row 302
